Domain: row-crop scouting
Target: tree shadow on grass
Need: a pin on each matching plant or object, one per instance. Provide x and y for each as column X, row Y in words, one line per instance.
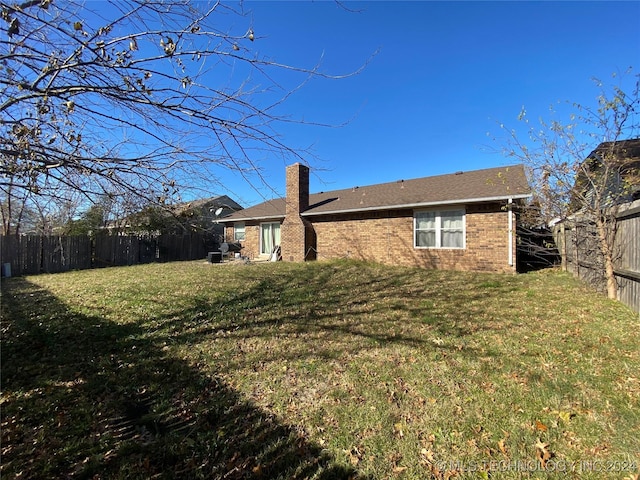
column 361, row 312
column 84, row 397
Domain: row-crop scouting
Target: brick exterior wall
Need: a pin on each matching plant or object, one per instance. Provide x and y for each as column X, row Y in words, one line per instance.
column 251, row 243
column 296, row 233
column 387, row 237
column 383, row 236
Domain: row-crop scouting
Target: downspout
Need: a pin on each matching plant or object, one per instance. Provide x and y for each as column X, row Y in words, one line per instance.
column 510, row 213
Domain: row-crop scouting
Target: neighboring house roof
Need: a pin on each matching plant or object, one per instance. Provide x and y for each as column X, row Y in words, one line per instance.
column 201, row 211
column 490, row 184
column 613, row 171
column 626, row 149
column 220, row 201
column 626, row 161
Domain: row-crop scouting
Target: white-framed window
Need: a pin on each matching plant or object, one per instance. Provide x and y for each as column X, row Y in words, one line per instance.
column 238, row 232
column 269, row 237
column 439, row 229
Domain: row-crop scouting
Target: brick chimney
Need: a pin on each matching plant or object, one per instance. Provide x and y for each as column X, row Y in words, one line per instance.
column 297, row 236
column 297, row 189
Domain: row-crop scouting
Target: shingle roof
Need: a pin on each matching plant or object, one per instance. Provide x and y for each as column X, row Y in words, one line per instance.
column 456, row 188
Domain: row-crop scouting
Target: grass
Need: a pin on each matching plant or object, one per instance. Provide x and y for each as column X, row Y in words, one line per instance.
column 317, row 370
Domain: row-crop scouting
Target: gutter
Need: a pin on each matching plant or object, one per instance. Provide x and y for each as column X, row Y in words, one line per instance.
column 311, row 213
column 241, row 219
column 418, row 205
column 510, row 213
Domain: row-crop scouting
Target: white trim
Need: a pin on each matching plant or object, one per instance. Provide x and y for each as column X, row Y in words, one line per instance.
column 441, row 205
column 270, row 218
column 510, row 213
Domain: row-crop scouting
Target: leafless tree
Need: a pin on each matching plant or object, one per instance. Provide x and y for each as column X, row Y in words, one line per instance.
column 586, row 167
column 135, row 96
column 24, row 212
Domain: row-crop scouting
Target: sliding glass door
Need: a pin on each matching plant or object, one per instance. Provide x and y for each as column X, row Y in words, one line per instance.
column 269, row 237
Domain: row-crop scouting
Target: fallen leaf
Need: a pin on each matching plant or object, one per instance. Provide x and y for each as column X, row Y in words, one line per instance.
column 565, row 416
column 599, row 449
column 502, row 446
column 541, row 426
column 542, row 453
column 427, row 454
column 540, row 445
column 355, row 455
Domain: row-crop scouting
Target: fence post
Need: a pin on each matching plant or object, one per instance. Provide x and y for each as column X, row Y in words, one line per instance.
column 563, row 253
column 576, row 254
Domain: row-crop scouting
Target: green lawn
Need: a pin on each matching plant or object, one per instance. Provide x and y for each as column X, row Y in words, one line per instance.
column 317, row 370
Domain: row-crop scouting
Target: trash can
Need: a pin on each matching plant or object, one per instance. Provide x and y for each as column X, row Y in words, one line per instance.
column 214, row 257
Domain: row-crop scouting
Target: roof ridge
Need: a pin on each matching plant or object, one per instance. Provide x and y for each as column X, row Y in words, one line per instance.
column 471, row 186
column 417, row 179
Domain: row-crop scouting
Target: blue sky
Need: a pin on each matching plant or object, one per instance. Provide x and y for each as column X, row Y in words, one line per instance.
column 445, row 74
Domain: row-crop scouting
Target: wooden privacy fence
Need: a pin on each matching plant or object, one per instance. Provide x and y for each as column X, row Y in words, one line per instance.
column 25, row 255
column 577, row 243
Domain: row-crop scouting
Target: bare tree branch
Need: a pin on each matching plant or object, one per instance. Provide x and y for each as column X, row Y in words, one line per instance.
column 585, row 167
column 133, row 95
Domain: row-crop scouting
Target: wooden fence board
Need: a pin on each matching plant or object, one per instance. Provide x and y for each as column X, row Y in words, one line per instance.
column 577, row 243
column 61, row 254
column 30, row 255
column 23, row 253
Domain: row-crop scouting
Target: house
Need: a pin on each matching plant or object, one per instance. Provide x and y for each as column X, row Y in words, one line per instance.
column 460, row 221
column 611, row 171
column 196, row 216
column 203, row 215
